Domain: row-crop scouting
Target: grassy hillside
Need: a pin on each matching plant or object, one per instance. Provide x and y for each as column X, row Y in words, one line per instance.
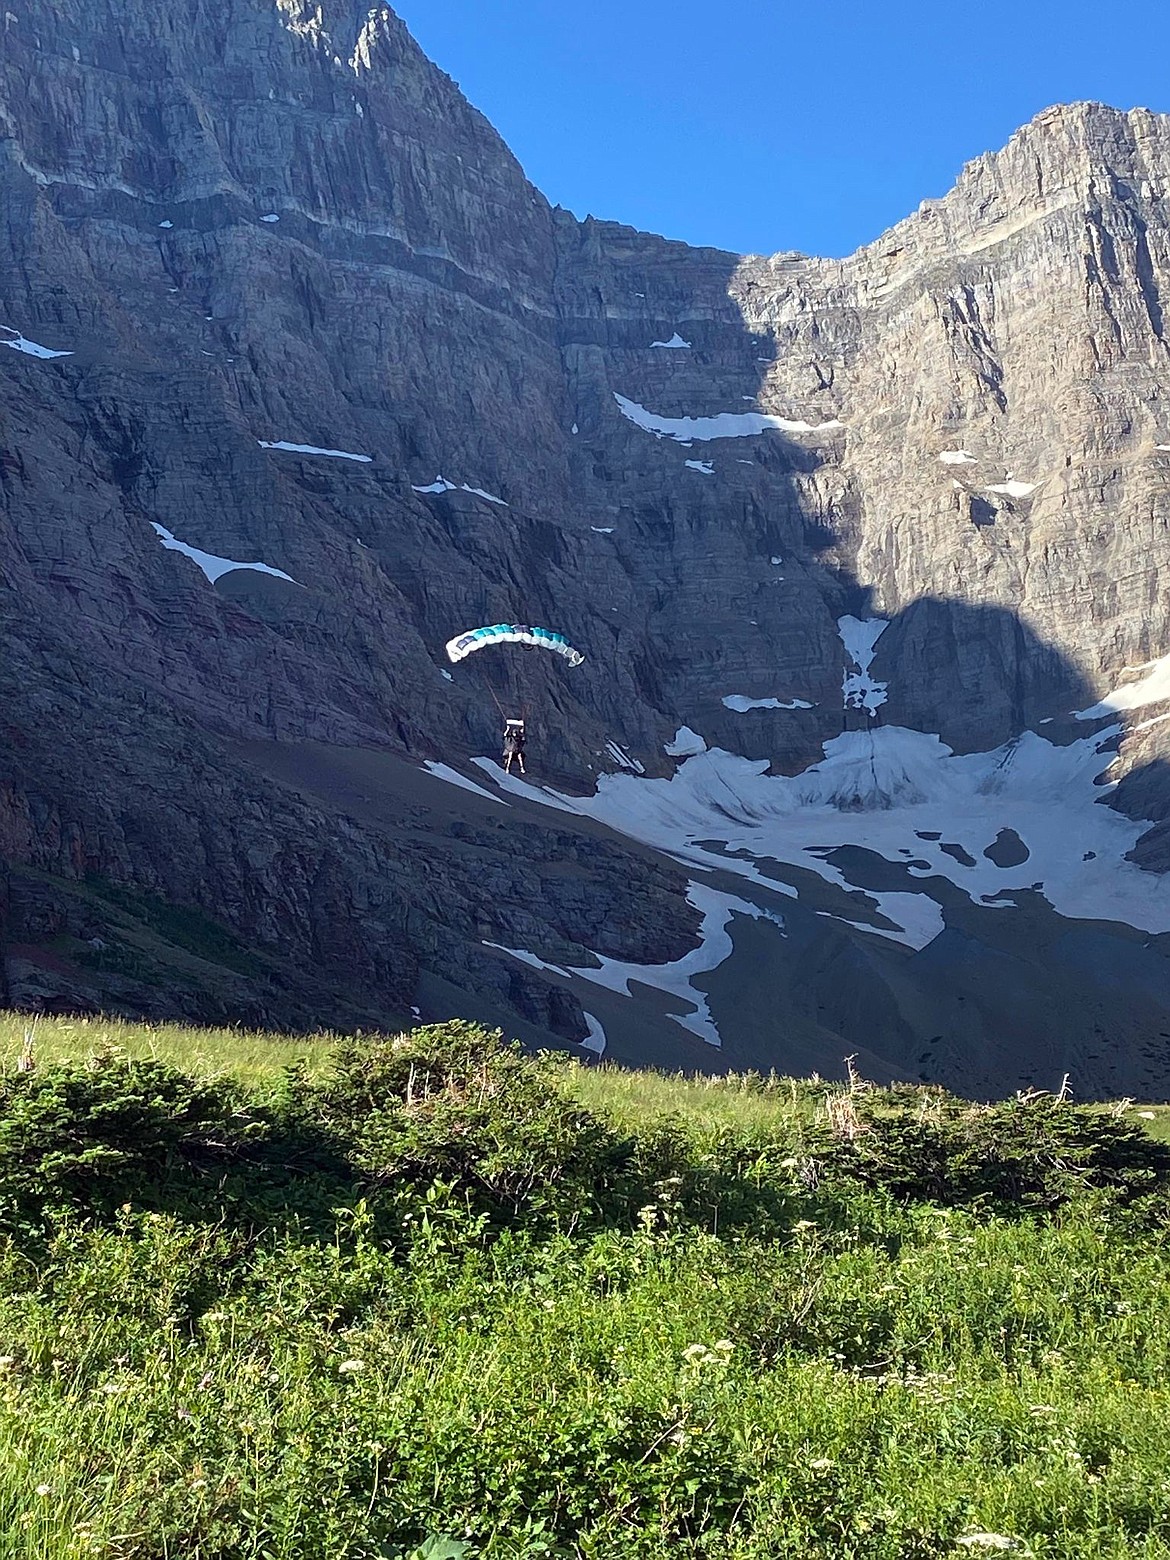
column 427, row 1297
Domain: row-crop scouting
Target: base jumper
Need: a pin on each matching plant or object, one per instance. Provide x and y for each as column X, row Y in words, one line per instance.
column 513, row 745
column 495, row 634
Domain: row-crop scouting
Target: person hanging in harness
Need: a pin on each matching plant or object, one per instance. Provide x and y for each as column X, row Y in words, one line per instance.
column 513, row 745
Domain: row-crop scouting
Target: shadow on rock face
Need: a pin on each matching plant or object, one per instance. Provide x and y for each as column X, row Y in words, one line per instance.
column 1144, row 793
column 976, row 675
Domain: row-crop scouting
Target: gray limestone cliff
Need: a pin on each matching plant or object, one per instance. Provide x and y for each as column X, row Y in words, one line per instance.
column 266, row 223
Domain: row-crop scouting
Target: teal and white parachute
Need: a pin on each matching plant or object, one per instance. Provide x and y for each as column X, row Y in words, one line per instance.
column 511, row 634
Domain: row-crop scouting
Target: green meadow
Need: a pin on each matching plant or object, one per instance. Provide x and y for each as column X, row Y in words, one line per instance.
column 427, row 1298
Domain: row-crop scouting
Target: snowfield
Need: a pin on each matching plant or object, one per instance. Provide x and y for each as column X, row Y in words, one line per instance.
column 883, row 803
column 907, row 798
column 881, row 791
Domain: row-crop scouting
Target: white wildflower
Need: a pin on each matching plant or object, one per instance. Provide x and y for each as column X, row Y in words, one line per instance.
column 351, row 1367
column 986, row 1541
column 44, row 1489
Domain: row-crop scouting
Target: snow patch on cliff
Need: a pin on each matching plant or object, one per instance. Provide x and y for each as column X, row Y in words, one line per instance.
column 516, row 786
column 704, row 466
column 860, row 637
column 740, row 703
column 310, row 449
column 1153, row 688
column 956, row 458
column 212, row 565
column 441, row 485
column 724, row 425
column 595, row 1040
column 623, row 759
column 453, row 777
column 1014, row 489
column 684, row 744
column 20, row 343
column 676, row 342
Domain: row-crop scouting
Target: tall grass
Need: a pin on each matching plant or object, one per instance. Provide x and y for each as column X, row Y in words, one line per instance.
column 431, row 1299
column 251, row 1056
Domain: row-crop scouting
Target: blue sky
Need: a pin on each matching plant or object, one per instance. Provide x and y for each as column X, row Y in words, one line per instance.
column 765, row 125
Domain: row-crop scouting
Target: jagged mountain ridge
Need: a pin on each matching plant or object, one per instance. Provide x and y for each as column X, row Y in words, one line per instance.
column 417, row 302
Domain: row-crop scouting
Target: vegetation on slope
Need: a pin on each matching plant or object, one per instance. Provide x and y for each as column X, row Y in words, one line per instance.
column 427, row 1296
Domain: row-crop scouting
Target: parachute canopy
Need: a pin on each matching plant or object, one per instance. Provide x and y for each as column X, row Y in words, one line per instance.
column 512, row 634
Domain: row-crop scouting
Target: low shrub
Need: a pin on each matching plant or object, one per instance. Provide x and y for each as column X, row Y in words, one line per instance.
column 1030, row 1155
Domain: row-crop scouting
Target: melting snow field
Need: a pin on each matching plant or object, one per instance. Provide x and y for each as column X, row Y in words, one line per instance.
column 212, row 566
column 704, row 466
column 903, row 796
column 441, row 485
column 676, row 342
column 309, row 449
column 881, row 790
column 673, row 980
column 20, row 343
column 724, row 425
column 956, row 458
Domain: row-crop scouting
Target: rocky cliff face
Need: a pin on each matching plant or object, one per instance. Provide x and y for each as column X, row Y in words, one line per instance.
column 275, row 295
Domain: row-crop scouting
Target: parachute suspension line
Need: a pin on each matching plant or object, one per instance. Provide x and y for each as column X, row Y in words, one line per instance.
column 495, row 701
